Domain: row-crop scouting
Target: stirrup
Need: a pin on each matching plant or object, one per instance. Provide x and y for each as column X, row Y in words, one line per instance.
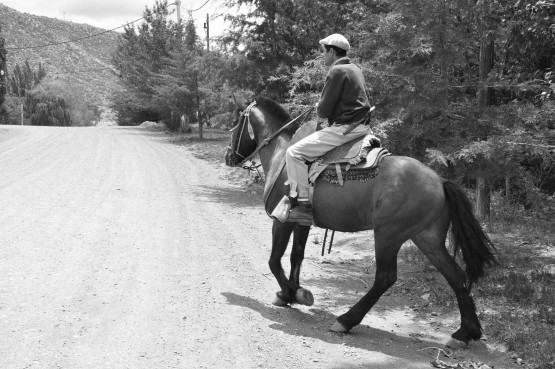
column 282, row 209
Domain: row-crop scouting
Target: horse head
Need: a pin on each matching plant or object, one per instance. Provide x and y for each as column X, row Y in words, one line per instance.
column 242, row 143
column 255, row 126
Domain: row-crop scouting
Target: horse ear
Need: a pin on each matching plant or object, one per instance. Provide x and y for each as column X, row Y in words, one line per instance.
column 236, row 103
column 241, row 105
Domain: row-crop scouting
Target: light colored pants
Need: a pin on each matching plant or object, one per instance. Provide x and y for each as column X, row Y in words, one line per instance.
column 312, row 147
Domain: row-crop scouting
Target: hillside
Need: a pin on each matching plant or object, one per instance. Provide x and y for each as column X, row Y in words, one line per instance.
column 86, row 63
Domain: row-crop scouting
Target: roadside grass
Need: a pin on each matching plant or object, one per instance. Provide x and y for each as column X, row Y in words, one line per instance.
column 519, row 293
column 515, row 300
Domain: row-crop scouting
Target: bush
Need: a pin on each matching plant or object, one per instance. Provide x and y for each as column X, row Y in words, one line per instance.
column 130, row 111
column 12, row 111
column 46, row 109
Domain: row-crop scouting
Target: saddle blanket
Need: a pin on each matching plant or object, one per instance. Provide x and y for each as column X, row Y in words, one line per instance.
column 350, row 161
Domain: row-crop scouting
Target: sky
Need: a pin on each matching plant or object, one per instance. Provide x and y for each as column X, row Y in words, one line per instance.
column 109, row 14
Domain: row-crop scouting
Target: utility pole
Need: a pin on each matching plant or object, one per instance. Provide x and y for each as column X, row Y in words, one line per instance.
column 178, row 6
column 483, row 187
column 207, row 27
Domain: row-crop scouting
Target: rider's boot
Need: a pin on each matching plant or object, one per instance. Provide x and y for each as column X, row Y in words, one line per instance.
column 302, row 213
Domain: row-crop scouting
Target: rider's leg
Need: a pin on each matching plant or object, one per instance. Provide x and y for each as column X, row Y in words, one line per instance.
column 309, row 149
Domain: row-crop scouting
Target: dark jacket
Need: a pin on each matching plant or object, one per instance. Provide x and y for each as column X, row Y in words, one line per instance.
column 343, row 99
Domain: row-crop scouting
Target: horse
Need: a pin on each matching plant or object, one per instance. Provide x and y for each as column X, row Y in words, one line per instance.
column 407, row 200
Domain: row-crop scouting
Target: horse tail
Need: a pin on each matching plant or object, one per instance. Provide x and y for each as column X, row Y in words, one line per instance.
column 477, row 248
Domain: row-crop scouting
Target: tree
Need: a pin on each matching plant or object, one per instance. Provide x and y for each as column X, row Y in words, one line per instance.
column 421, row 60
column 140, row 56
column 276, row 36
column 46, row 109
column 24, row 78
column 77, row 100
column 3, row 86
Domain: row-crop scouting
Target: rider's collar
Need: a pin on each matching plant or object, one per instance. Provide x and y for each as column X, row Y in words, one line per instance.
column 342, row 60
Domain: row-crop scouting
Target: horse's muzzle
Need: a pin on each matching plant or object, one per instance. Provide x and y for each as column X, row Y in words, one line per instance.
column 231, row 158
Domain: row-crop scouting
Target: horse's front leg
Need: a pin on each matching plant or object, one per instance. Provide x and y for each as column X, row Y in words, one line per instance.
column 281, row 232
column 300, row 236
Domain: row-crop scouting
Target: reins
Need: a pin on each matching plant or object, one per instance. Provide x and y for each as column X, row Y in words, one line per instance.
column 267, row 140
column 253, row 166
column 246, row 118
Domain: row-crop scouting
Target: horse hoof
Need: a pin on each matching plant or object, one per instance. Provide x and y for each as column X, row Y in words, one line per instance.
column 455, row 344
column 304, row 297
column 338, row 328
column 278, row 301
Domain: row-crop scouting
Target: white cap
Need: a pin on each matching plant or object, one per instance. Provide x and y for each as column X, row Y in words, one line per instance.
column 336, row 40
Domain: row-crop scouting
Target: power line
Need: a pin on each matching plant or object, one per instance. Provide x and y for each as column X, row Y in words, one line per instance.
column 74, row 40
column 202, row 6
column 197, row 9
column 90, row 36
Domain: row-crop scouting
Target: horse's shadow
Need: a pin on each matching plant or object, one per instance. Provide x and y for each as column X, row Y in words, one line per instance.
column 316, row 323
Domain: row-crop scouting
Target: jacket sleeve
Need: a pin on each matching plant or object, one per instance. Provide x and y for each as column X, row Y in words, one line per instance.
column 330, row 94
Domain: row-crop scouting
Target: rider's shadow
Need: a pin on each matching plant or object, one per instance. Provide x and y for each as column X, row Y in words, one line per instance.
column 317, row 322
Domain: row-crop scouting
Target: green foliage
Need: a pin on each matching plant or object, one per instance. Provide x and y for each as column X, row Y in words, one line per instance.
column 12, row 109
column 79, row 101
column 421, row 63
column 420, row 60
column 3, row 87
column 274, row 37
column 23, row 79
column 527, row 31
column 49, row 102
column 141, row 56
column 130, row 110
column 45, row 109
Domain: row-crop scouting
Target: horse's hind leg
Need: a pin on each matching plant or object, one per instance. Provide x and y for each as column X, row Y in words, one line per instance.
column 388, row 241
column 300, row 236
column 281, row 232
column 432, row 243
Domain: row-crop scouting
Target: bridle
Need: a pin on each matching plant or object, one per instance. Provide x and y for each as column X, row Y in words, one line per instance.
column 245, row 119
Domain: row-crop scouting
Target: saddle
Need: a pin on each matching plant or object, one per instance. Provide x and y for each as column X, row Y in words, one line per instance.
column 358, row 159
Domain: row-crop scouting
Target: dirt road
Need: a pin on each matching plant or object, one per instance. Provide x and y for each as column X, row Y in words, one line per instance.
column 120, row 249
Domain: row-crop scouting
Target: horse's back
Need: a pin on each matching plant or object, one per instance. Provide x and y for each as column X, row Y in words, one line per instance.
column 404, row 189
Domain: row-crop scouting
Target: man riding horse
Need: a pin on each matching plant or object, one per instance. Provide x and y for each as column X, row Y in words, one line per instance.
column 345, row 104
column 405, row 200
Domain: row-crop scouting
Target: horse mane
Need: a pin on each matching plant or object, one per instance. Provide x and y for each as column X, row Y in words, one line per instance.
column 278, row 111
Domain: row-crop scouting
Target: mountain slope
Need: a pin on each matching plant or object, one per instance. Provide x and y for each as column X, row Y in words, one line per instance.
column 86, row 62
